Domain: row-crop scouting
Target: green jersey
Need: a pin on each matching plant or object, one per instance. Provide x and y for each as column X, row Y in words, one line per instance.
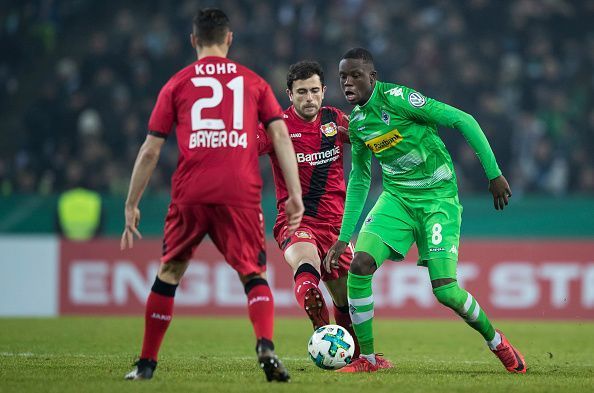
column 399, row 126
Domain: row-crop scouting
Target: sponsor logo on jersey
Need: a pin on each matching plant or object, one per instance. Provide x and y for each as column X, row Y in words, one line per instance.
column 320, row 157
column 302, row 235
column 295, row 135
column 436, row 249
column 383, row 142
column 368, row 219
column 396, row 92
column 454, row 250
column 385, row 117
column 329, row 129
column 416, row 99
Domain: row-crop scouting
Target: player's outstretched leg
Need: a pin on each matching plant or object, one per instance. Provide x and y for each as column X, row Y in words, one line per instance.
column 261, row 312
column 158, row 314
column 464, row 304
column 309, row 296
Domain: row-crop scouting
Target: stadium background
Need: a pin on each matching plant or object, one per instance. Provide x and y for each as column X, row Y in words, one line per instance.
column 78, row 80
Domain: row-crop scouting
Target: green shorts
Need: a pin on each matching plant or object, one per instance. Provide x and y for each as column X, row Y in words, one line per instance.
column 434, row 225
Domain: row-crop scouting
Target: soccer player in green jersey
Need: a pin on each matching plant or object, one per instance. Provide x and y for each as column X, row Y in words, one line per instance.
column 419, row 202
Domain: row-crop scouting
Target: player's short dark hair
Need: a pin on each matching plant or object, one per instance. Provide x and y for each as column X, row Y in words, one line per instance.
column 360, row 54
column 210, row 25
column 304, row 69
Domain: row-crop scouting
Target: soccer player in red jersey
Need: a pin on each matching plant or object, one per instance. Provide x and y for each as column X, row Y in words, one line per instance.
column 216, row 105
column 318, row 134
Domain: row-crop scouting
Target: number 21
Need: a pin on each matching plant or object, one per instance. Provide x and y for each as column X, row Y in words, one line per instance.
column 236, row 85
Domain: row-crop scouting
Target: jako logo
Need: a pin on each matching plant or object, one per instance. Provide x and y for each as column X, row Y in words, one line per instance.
column 258, row 299
column 161, row 317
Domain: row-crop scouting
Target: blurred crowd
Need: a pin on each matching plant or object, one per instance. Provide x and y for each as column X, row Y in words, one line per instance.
column 78, row 79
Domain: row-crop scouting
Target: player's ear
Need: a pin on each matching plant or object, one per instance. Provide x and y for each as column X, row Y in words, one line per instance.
column 323, row 91
column 290, row 94
column 193, row 41
column 229, row 38
column 372, row 77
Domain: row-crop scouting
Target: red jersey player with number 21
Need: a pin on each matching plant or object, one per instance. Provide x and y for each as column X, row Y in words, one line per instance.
column 216, row 105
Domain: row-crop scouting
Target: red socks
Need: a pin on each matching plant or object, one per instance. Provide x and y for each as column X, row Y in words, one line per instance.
column 303, row 282
column 260, row 307
column 157, row 317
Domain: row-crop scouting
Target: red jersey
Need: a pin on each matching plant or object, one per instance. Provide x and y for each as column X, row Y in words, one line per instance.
column 319, row 149
column 216, row 105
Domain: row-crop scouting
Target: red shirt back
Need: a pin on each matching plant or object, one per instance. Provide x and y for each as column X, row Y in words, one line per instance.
column 216, row 105
column 319, row 149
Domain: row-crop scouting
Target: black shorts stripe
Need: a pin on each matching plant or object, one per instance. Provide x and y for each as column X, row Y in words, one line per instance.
column 319, row 176
column 158, row 134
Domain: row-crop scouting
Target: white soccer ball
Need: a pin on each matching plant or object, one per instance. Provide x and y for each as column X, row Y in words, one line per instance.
column 331, row 347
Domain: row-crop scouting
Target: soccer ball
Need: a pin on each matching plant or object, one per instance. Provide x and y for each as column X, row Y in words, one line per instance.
column 331, row 347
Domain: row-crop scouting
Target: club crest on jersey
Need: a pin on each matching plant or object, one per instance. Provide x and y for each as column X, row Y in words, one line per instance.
column 385, row 117
column 302, row 235
column 416, row 99
column 385, row 141
column 329, row 129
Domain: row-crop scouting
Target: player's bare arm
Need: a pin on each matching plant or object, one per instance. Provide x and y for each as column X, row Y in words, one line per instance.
column 145, row 163
column 501, row 191
column 279, row 135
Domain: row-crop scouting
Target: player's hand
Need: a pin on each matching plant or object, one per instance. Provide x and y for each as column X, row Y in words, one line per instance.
column 333, row 254
column 294, row 210
column 132, row 215
column 344, row 131
column 499, row 187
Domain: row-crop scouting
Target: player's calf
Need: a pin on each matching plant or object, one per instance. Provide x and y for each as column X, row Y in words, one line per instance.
column 309, row 296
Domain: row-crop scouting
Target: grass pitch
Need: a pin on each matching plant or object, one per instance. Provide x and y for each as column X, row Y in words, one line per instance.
column 207, row 355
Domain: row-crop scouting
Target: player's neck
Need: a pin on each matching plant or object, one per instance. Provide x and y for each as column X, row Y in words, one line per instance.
column 367, row 97
column 215, row 50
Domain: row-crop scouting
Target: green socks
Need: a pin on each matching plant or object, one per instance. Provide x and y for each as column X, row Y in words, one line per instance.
column 462, row 302
column 361, row 310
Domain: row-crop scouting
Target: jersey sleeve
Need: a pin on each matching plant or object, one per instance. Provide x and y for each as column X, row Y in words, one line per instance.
column 358, row 187
column 264, row 142
column 416, row 107
column 163, row 114
column 342, row 121
column 268, row 107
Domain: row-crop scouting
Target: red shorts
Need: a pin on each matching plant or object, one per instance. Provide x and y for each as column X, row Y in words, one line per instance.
column 237, row 232
column 320, row 234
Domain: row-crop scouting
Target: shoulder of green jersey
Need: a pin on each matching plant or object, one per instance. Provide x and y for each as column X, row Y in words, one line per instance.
column 416, row 99
column 395, row 92
column 358, row 115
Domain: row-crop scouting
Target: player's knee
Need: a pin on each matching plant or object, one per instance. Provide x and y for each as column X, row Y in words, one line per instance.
column 253, row 281
column 450, row 295
column 363, row 264
column 172, row 271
